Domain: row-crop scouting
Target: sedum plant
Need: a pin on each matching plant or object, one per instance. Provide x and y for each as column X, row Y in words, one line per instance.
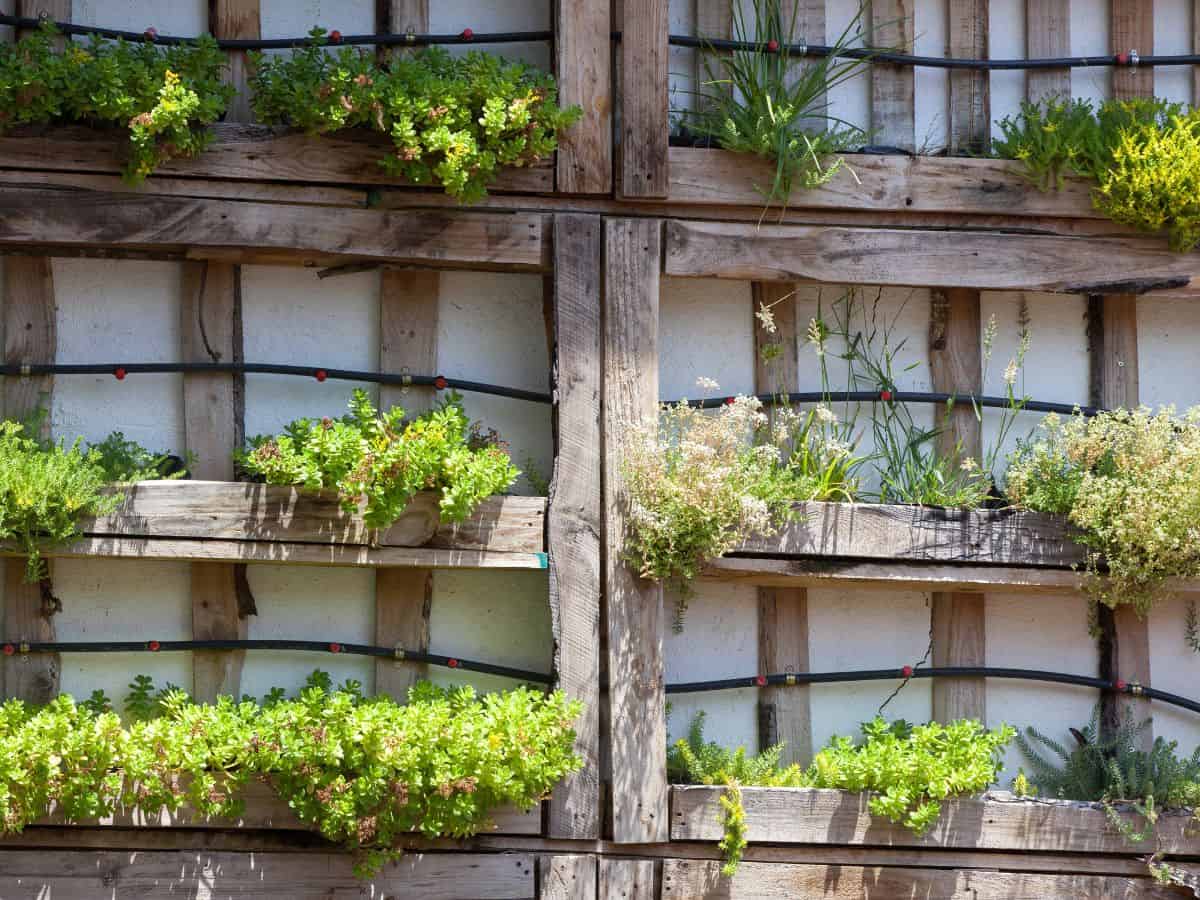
column 452, row 120
column 164, row 97
column 364, row 771
column 1130, row 481
column 381, row 461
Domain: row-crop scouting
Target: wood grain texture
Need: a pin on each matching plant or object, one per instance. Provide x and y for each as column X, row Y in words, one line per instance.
column 893, row 120
column 408, row 330
column 986, row 261
column 1132, row 28
column 54, row 10
column 215, row 616
column 241, row 152
column 634, row 609
column 959, row 639
column 440, row 239
column 1047, row 36
column 567, row 877
column 236, row 19
column 85, row 875
column 696, row 879
column 573, row 525
column 995, row 821
column 626, row 879
column 970, row 106
column 1195, row 48
column 644, row 98
column 714, row 21
column 583, row 48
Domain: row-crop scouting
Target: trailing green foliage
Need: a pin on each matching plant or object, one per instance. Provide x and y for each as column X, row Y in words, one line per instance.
column 908, row 770
column 364, row 771
column 382, row 461
column 767, row 103
column 164, row 96
column 1143, row 154
column 1130, row 481
column 453, row 120
column 124, row 461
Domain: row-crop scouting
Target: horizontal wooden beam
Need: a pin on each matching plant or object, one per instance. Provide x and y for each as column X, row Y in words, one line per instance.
column 267, row 513
column 968, row 259
column 996, row 821
column 41, row 219
column 240, row 152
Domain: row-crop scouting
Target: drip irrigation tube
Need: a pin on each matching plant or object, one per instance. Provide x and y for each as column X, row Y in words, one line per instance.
column 797, row 678
column 121, row 370
column 398, row 653
column 900, row 397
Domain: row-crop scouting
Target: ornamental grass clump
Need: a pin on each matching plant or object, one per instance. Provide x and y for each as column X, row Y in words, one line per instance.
column 452, row 120
column 164, row 96
column 1130, row 481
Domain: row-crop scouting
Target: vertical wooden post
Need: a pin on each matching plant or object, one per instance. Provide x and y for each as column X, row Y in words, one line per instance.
column 627, row 879
column 970, row 109
column 644, row 98
column 714, row 21
column 892, row 111
column 54, row 10
column 573, row 525
column 1133, row 29
column 583, row 50
column 783, row 711
column 567, row 877
column 1196, row 49
column 634, row 607
column 1047, row 36
column 236, row 19
column 28, row 331
column 958, row 618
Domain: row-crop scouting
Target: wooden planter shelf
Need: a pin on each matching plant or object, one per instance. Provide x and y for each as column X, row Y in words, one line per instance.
column 236, row 522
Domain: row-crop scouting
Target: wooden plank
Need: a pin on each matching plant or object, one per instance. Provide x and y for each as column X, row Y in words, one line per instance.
column 627, row 879
column 408, row 328
column 54, row 10
column 893, row 122
column 644, row 98
column 400, row 17
column 215, row 617
column 970, row 106
column 1047, row 36
column 241, row 152
column 1195, row 48
column 959, row 639
column 714, row 21
column 1132, row 29
column 783, row 712
column 85, row 875
column 440, row 239
column 567, row 877
column 635, row 616
column 912, row 258
column 236, row 19
column 696, row 879
column 583, row 67
column 997, row 821
column 573, row 532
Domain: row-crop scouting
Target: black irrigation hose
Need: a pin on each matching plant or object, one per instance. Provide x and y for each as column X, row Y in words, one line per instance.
column 900, row 397
column 120, row 370
column 466, row 36
column 398, row 653
column 1122, row 687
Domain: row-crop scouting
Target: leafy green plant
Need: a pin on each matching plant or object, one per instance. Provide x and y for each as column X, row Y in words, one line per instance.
column 364, row 771
column 164, row 96
column 909, row 770
column 124, row 461
column 1130, row 481
column 765, row 102
column 381, row 461
column 1143, row 154
column 453, row 121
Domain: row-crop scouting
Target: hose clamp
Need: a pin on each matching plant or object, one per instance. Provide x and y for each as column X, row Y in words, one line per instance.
column 1136, row 689
column 790, row 679
column 23, row 647
column 1134, row 59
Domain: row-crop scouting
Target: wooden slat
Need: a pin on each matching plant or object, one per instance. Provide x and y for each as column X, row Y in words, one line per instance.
column 584, row 70
column 1047, row 36
column 1132, row 24
column 911, row 258
column 567, row 877
column 634, row 607
column 408, row 328
column 959, row 639
column 1195, row 48
column 86, row 875
column 644, row 98
column 783, row 712
column 970, row 108
column 236, row 19
column 241, row 152
column 998, row 821
column 696, row 879
column 893, row 120
column 714, row 21
column 573, row 532
column 55, row 10
column 441, row 239
column 627, row 879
